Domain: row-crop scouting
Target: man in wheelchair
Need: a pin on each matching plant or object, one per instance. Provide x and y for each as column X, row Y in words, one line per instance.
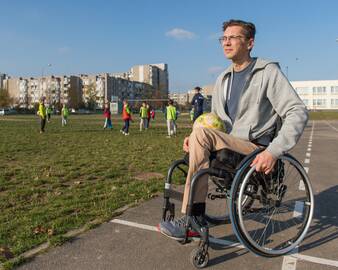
column 249, row 96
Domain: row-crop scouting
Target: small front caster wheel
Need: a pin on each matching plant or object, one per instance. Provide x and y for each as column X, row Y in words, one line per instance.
column 199, row 258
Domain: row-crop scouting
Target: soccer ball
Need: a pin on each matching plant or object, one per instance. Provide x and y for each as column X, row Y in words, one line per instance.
column 209, row 120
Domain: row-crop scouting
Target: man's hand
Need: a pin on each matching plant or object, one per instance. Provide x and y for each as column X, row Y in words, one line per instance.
column 186, row 145
column 264, row 162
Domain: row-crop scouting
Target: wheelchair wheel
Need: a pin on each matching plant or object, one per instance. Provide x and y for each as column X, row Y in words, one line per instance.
column 199, row 258
column 271, row 214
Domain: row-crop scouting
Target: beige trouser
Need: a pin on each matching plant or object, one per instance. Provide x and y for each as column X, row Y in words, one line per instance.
column 202, row 141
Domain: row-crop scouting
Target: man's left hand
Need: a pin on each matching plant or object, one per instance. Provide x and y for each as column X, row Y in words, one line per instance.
column 264, row 162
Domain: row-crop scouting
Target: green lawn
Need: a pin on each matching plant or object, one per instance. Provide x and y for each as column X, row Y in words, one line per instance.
column 330, row 115
column 53, row 182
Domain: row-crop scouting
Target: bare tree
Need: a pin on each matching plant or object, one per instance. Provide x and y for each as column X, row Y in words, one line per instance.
column 5, row 99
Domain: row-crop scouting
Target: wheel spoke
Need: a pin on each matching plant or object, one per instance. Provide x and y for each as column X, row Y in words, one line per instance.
column 277, row 212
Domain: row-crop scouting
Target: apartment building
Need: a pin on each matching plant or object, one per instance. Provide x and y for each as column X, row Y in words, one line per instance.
column 318, row 95
column 93, row 90
column 70, row 91
column 155, row 75
column 57, row 90
column 141, row 82
column 3, row 81
column 180, row 98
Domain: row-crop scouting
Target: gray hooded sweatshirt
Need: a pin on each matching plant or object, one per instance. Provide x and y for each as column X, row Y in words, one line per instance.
column 267, row 95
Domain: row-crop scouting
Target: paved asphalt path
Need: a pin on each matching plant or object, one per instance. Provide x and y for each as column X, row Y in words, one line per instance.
column 138, row 246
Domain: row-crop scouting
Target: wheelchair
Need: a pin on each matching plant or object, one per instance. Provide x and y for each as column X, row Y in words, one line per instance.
column 270, row 214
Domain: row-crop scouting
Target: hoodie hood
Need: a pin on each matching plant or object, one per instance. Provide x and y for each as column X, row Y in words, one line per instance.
column 260, row 64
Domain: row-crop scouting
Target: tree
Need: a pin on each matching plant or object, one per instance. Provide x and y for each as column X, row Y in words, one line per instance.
column 5, row 99
column 90, row 93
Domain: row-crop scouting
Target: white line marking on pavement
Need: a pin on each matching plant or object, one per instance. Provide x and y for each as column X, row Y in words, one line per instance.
column 301, row 187
column 299, row 206
column 154, row 228
column 229, row 243
column 289, row 263
column 133, row 224
column 222, row 242
column 331, row 126
column 315, row 260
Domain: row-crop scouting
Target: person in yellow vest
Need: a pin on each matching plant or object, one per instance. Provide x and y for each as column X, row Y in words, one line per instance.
column 171, row 117
column 48, row 112
column 192, row 112
column 64, row 114
column 143, row 116
column 42, row 113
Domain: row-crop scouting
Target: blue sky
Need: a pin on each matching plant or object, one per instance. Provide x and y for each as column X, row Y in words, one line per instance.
column 111, row 36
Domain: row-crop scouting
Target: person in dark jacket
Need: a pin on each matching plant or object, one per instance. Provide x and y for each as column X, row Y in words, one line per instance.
column 197, row 103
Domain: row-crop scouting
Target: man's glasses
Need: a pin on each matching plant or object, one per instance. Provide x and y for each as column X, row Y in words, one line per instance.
column 229, row 38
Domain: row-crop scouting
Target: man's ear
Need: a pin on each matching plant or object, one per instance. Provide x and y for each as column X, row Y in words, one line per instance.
column 251, row 43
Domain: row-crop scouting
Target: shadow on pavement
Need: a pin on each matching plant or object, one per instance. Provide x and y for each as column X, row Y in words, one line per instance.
column 324, row 227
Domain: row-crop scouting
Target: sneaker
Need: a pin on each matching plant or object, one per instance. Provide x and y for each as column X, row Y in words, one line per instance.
column 126, row 134
column 121, row 131
column 176, row 229
column 168, row 136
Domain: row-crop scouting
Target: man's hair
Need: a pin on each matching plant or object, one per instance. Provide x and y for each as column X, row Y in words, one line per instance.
column 198, row 88
column 171, row 102
column 249, row 28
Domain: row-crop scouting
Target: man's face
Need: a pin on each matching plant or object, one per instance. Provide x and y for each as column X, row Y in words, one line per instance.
column 235, row 44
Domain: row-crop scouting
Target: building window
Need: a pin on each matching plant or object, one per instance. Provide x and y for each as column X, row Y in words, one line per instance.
column 303, row 90
column 334, row 89
column 319, row 90
column 334, row 102
column 319, row 102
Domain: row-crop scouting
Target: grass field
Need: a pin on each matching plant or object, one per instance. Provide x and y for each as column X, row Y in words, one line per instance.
column 330, row 115
column 53, row 182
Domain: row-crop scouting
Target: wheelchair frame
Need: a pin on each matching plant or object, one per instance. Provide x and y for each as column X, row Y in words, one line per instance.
column 200, row 256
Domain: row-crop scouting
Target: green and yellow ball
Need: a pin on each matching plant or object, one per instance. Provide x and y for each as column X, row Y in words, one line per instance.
column 209, row 120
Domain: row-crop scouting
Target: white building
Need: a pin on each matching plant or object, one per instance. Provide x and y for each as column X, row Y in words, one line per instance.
column 318, row 95
column 2, row 78
column 23, row 92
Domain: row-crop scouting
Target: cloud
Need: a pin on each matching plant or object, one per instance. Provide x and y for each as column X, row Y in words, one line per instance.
column 64, row 50
column 180, row 34
column 215, row 70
